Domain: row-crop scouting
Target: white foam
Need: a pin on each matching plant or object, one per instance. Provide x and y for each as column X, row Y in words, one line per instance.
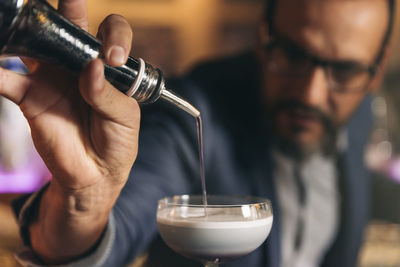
column 216, row 221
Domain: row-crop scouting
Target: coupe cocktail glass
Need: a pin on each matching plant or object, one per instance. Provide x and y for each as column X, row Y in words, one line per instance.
column 227, row 228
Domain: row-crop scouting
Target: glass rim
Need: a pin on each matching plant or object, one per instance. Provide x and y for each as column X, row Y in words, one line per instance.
column 247, row 200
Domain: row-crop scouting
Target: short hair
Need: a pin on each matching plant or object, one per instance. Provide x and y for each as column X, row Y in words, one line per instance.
column 270, row 6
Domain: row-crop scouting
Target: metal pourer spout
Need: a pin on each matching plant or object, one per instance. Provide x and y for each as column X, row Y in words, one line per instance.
column 179, row 102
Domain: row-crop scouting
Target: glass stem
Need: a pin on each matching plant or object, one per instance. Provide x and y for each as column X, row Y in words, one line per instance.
column 211, row 264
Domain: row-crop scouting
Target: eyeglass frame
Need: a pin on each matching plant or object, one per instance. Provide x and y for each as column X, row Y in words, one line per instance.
column 372, row 69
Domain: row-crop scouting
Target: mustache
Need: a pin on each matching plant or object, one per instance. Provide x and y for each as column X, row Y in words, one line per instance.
column 293, row 106
column 289, row 106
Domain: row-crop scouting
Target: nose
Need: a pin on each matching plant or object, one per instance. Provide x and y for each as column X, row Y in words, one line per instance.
column 314, row 89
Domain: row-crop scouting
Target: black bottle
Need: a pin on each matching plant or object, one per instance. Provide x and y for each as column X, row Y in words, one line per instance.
column 33, row 28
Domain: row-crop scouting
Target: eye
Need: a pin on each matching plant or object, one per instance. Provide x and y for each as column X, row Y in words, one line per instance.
column 349, row 76
column 346, row 71
column 288, row 60
column 295, row 55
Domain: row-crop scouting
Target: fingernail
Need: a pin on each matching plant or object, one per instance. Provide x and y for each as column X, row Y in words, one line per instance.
column 117, row 55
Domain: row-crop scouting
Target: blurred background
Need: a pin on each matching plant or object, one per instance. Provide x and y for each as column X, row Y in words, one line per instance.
column 173, row 35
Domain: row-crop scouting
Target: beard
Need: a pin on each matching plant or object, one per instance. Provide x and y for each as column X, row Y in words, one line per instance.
column 325, row 144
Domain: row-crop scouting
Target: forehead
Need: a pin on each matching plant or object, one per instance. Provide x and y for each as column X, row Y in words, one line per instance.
column 334, row 29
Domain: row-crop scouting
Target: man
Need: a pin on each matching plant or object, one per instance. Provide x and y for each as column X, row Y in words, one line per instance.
column 289, row 124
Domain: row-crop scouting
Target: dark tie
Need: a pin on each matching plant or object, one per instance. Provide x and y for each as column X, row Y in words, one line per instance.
column 302, row 201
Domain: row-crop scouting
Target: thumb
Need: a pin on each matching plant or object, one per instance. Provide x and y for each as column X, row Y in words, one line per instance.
column 104, row 98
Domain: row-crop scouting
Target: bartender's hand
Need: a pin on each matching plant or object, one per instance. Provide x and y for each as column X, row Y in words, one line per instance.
column 86, row 131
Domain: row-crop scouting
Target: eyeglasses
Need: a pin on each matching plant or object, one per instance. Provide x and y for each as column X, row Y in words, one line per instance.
column 293, row 62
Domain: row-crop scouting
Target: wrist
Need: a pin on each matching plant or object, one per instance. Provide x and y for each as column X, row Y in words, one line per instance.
column 92, row 200
column 69, row 222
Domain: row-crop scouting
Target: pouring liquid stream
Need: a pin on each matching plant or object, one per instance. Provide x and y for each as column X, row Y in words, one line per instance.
column 186, row 106
column 199, row 125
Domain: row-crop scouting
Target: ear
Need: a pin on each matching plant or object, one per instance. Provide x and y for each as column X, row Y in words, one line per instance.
column 379, row 75
column 262, row 38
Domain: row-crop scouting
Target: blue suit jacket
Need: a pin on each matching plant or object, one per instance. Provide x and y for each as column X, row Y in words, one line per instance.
column 227, row 93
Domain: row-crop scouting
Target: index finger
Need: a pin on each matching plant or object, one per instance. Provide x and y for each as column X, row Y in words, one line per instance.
column 75, row 11
column 116, row 35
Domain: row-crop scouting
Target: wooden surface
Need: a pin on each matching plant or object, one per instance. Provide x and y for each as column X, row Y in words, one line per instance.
column 381, row 246
column 9, row 237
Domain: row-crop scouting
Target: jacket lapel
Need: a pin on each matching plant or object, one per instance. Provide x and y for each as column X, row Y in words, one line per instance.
column 354, row 186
